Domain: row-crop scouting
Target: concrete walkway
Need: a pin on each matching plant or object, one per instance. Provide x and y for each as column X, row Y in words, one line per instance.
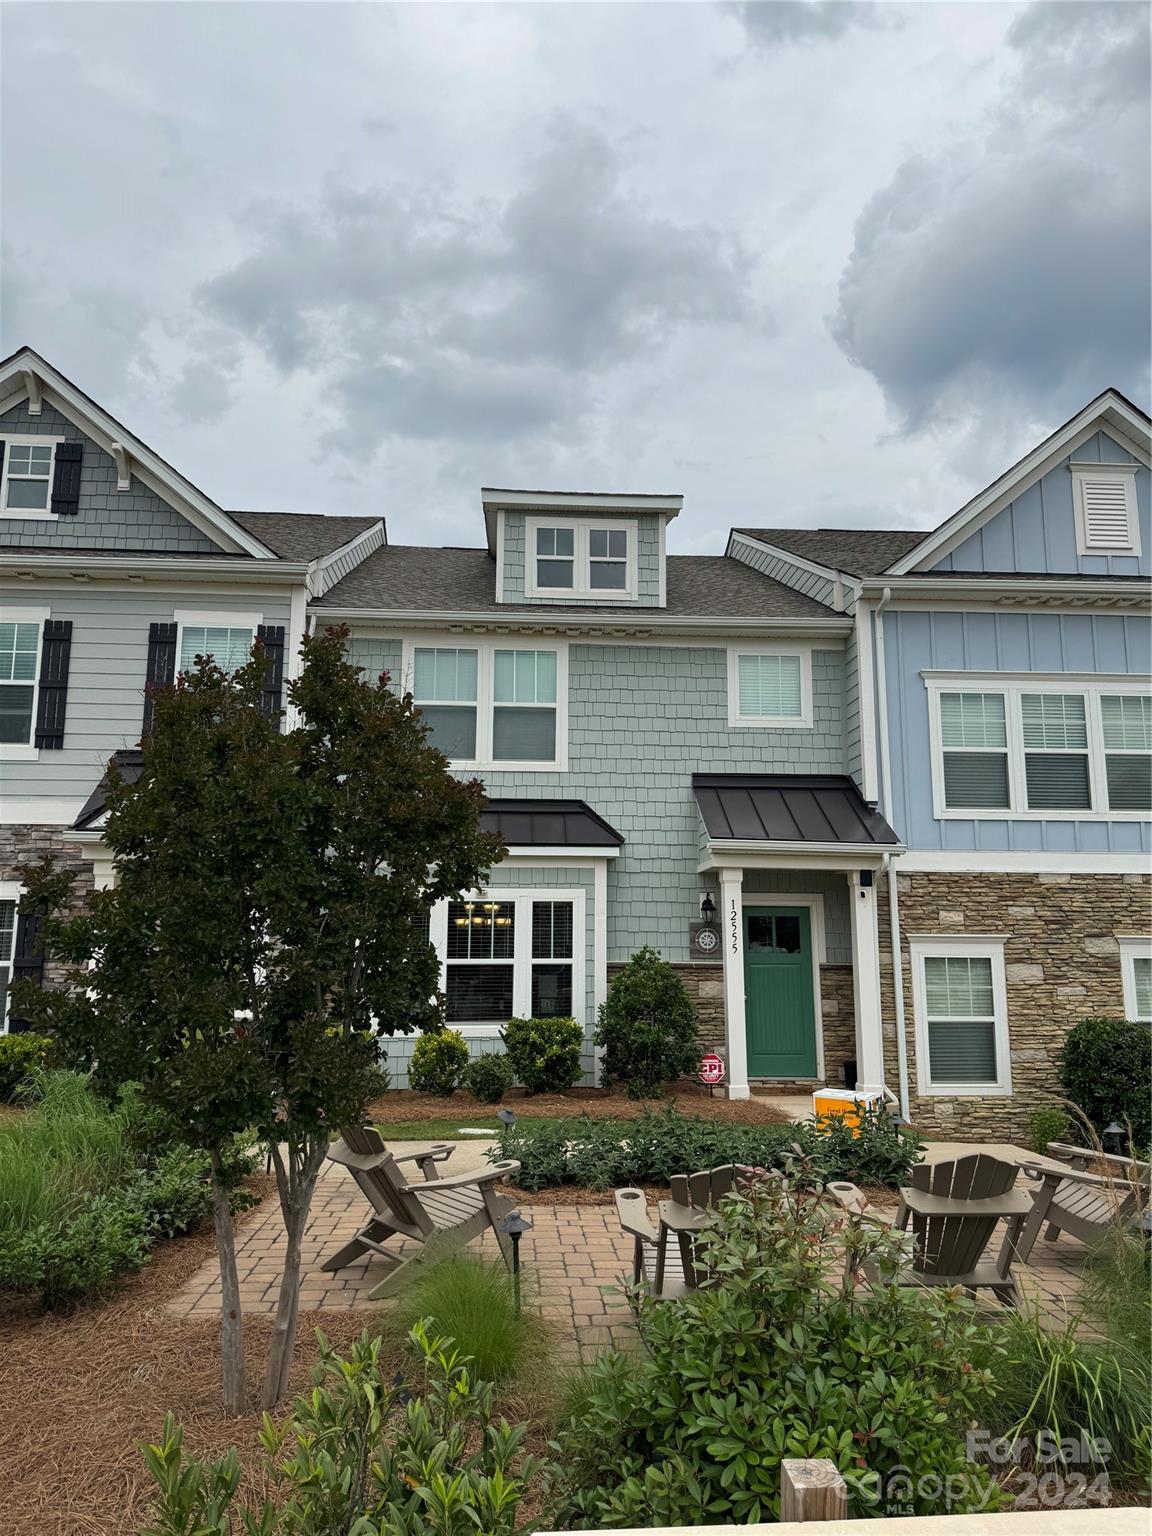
column 574, row 1251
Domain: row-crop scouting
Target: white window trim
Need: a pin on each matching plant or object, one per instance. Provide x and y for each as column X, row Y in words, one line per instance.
column 1123, row 472
column 1132, row 950
column 192, row 618
column 800, row 722
column 27, row 752
column 1013, row 685
column 485, row 702
column 34, row 440
column 984, row 946
column 581, row 587
column 10, row 890
column 522, row 898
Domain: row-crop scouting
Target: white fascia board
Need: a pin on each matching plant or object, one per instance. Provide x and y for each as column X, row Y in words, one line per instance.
column 1108, row 413
column 89, row 567
column 149, row 468
column 361, row 546
column 520, row 851
column 730, row 849
column 612, row 625
column 989, row 862
column 576, row 501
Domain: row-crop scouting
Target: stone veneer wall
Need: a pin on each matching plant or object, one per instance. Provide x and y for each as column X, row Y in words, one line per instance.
column 705, row 984
column 1061, row 963
column 27, row 845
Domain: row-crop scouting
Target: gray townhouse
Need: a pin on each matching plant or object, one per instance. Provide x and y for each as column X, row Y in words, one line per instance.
column 738, row 759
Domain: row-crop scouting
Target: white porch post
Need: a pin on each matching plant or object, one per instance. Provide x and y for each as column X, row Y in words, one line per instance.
column 866, row 980
column 732, row 922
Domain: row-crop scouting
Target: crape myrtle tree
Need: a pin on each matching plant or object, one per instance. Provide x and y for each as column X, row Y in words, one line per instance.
column 265, row 916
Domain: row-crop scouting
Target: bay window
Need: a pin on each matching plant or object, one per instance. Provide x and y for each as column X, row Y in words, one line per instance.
column 492, row 703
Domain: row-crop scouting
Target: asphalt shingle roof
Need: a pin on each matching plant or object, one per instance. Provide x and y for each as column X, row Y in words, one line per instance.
column 413, row 577
column 856, row 551
column 302, row 535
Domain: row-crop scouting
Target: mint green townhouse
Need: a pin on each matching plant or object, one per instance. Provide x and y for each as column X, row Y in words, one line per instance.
column 667, row 749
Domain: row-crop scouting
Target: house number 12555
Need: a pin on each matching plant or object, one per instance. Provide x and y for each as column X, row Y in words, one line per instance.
column 734, row 926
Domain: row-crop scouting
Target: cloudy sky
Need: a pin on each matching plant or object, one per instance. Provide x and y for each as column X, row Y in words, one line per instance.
column 806, row 262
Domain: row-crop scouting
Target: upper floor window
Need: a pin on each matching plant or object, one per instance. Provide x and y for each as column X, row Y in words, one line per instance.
column 490, row 704
column 769, row 686
column 19, row 669
column 225, row 637
column 1104, row 498
column 1040, row 747
column 581, row 559
column 27, row 477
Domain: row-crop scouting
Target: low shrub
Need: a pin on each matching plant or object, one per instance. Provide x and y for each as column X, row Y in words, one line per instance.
column 364, row 1453
column 1106, row 1070
column 66, row 1260
column 464, row 1298
column 605, row 1154
column 438, row 1063
column 647, row 1027
column 176, row 1188
column 20, row 1057
column 782, row 1355
column 1045, row 1125
column 545, row 1053
column 488, row 1077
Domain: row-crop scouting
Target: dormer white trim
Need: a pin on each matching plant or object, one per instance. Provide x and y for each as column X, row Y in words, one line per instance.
column 1109, row 413
column 105, row 431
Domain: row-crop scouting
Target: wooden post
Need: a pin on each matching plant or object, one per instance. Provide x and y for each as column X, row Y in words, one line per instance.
column 812, row 1490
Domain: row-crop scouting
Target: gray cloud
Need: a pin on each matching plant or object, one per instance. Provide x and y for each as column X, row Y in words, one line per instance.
column 771, row 23
column 1013, row 269
column 438, row 320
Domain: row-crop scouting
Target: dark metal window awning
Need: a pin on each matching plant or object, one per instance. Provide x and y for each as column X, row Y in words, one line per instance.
column 129, row 765
column 550, row 824
column 791, row 808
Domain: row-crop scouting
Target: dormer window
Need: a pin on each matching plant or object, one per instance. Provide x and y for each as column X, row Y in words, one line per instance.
column 581, row 559
column 1104, row 496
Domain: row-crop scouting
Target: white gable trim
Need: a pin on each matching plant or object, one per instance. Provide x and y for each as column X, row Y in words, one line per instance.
column 1108, row 414
column 122, row 447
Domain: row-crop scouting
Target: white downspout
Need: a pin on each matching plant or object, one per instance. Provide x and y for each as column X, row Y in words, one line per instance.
column 893, row 897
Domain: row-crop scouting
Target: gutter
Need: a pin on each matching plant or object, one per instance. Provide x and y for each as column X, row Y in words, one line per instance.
column 1019, row 591
column 889, row 869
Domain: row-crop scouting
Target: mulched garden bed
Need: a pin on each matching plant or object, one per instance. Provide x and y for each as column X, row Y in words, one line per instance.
column 405, row 1104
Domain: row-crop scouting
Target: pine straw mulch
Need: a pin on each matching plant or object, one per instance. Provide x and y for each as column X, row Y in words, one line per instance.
column 405, row 1104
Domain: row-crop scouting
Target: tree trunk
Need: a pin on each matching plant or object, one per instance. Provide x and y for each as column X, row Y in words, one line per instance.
column 232, row 1377
column 295, row 1182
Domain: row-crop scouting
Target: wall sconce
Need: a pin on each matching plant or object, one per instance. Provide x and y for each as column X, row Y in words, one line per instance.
column 707, row 908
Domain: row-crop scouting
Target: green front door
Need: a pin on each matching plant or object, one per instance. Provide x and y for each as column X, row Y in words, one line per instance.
column 781, row 1018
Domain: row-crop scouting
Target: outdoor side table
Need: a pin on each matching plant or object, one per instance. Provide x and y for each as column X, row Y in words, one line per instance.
column 684, row 1221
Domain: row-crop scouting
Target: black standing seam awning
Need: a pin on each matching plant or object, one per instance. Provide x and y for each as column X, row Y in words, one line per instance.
column 789, row 808
column 549, row 824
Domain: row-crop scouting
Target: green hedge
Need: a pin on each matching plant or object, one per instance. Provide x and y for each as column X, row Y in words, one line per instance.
column 606, row 1154
column 21, row 1056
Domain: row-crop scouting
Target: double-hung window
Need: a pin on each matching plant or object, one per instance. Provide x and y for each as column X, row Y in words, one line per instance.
column 961, row 1015
column 19, row 671
column 492, row 704
column 1136, row 969
column 8, row 909
column 581, row 559
column 769, row 686
column 27, row 476
column 1039, row 747
column 510, row 954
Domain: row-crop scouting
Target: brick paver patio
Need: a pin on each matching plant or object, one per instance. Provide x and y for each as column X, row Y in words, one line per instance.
column 574, row 1252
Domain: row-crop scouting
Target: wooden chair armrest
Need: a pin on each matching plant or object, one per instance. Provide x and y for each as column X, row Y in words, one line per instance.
column 632, row 1209
column 1071, row 1176
column 426, row 1161
column 1130, row 1166
column 475, row 1176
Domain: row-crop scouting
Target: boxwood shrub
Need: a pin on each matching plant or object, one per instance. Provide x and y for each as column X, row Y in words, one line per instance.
column 545, row 1053
column 1106, row 1070
column 439, row 1062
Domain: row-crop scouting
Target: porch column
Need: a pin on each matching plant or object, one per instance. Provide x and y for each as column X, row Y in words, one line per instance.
column 736, row 1040
column 866, row 979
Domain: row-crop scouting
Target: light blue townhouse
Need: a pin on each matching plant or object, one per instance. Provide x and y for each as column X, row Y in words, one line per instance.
column 738, row 759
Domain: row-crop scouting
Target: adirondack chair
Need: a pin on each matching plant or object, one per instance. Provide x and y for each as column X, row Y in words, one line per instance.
column 1096, row 1191
column 670, row 1271
column 953, row 1209
column 439, row 1214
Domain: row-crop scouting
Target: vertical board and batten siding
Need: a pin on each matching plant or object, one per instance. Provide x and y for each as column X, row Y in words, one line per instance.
column 811, row 583
column 107, row 672
column 647, row 559
column 107, row 519
column 998, row 642
column 1037, row 531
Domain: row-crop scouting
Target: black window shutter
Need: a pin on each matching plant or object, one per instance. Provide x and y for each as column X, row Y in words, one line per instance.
column 271, row 637
column 66, row 479
column 55, row 655
column 28, row 961
column 161, row 665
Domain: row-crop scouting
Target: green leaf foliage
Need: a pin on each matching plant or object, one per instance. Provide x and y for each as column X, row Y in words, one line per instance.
column 489, row 1077
column 1045, row 1125
column 1106, row 1071
column 647, row 1027
column 545, row 1053
column 438, row 1063
column 365, row 1455
column 781, row 1355
column 606, row 1154
column 20, row 1056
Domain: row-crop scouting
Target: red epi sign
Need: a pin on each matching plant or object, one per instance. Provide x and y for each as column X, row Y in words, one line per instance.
column 711, row 1069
